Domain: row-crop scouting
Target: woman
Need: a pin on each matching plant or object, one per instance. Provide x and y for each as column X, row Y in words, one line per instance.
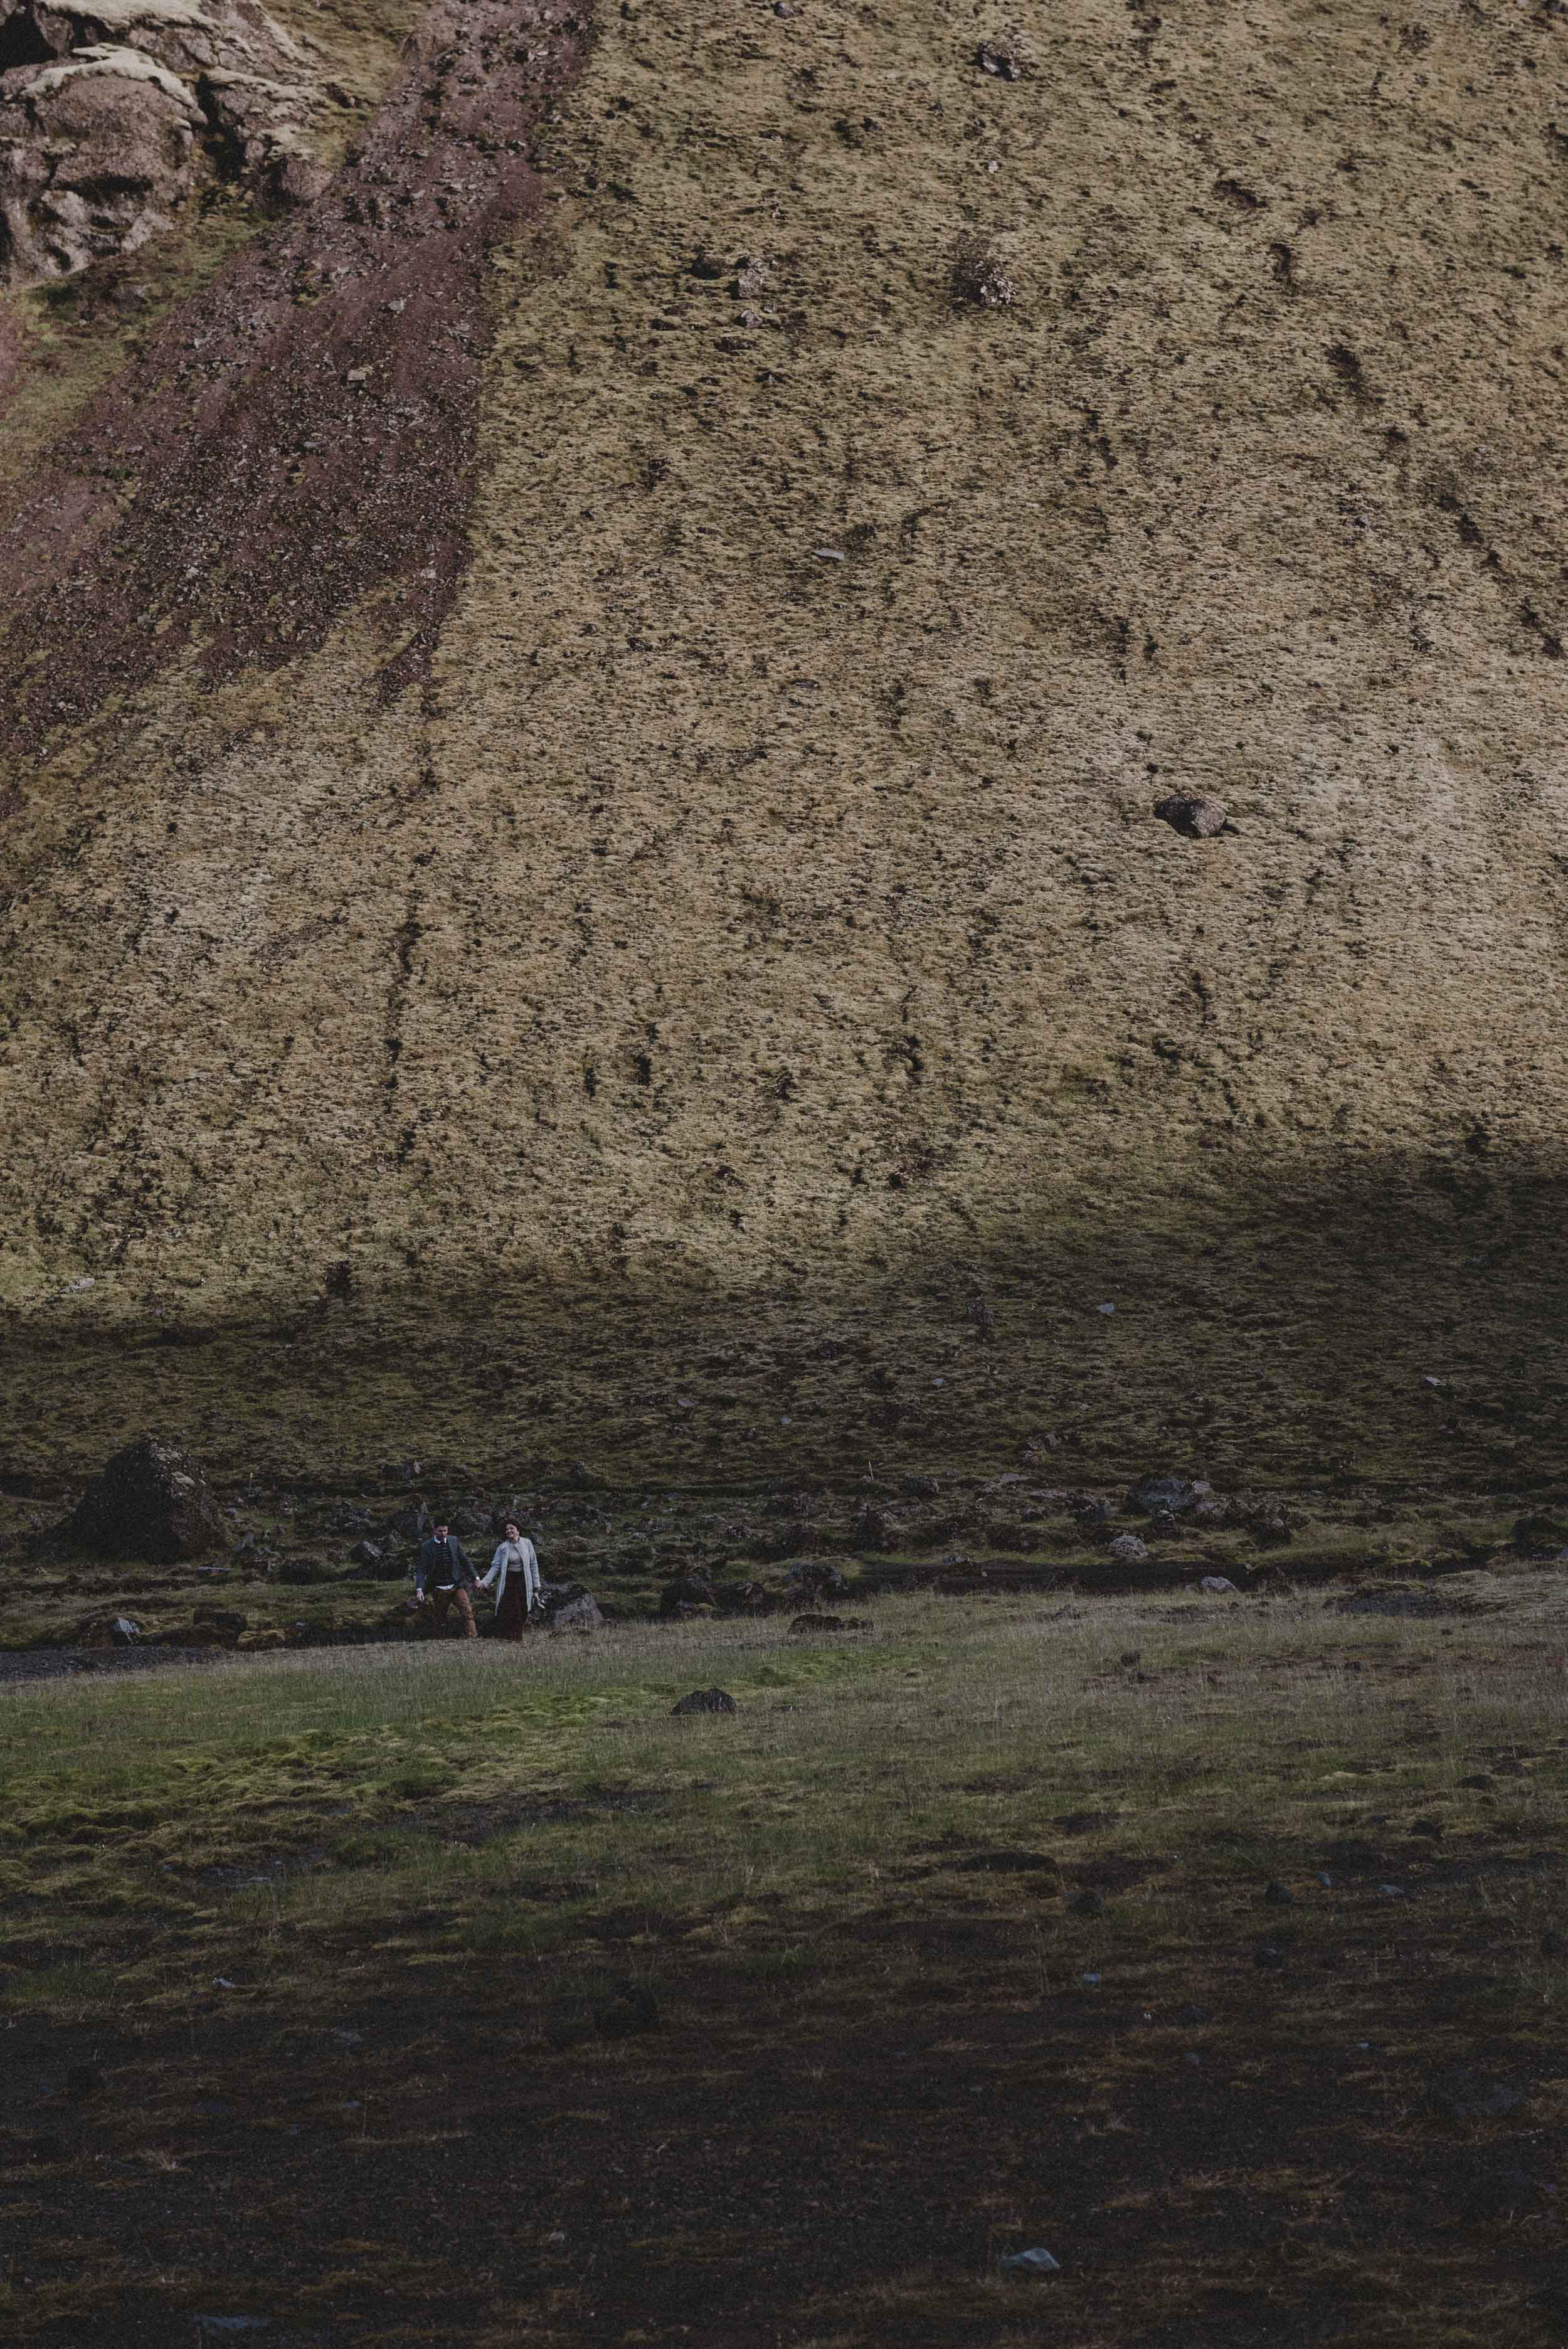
column 514, row 1570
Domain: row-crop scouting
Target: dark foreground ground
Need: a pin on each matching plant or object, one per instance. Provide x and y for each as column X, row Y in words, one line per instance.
column 466, row 1998
column 838, row 2164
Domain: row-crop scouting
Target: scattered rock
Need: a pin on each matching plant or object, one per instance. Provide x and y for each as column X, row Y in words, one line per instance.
column 1152, row 1494
column 1025, row 2265
column 709, row 1699
column 152, row 1502
column 1128, row 1550
column 685, row 1594
column 1278, row 1895
column 979, row 276
column 1220, row 1584
column 1002, row 59
column 1463, row 2095
column 633, row 2009
column 1194, row 819
column 302, row 1570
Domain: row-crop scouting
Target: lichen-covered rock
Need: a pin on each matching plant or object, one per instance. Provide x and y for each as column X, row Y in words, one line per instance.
column 153, row 1502
column 109, row 112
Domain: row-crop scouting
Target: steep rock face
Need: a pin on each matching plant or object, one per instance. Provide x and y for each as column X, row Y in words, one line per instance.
column 109, row 112
column 592, row 854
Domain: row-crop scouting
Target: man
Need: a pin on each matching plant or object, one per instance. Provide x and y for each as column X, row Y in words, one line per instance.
column 446, row 1572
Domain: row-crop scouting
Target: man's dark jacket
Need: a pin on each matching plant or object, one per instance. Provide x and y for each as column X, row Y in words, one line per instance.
column 442, row 1562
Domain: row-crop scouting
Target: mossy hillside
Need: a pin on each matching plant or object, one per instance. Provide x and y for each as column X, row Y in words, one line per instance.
column 739, row 964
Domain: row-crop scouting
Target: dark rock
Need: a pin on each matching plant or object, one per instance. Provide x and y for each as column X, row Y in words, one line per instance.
column 470, row 1524
column 1479, row 1780
column 1537, row 1531
column 868, row 1529
column 1554, row 1945
column 1462, row 2095
column 1431, row 1828
column 1191, row 2014
column 226, row 1619
column 920, row 1488
column 1193, row 818
column 302, row 1570
column 1278, row 1895
column 290, row 181
column 633, row 2009
column 413, row 1524
column 152, row 1502
column 1173, row 1496
column 1088, row 1904
column 1273, row 1528
column 819, row 1581
column 82, row 2082
column 709, row 1699
column 1268, row 1957
column 49, row 2147
column 1130, row 1657
column 809, row 1623
column 365, row 1553
column 399, row 1472
column 685, row 1593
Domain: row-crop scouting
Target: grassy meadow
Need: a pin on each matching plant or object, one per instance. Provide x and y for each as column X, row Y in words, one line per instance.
column 957, row 1937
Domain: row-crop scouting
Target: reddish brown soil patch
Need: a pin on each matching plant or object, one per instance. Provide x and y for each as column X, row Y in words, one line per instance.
column 305, row 430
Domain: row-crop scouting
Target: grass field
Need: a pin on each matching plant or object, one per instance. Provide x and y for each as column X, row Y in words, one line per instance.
column 459, row 1996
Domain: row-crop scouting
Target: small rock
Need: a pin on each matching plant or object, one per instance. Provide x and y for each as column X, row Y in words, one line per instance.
column 365, row 1553
column 1088, row 1904
column 1194, row 819
column 709, row 1699
column 1278, row 1895
column 1129, row 1657
column 1196, row 2060
column 1268, row 1957
column 82, row 2081
column 806, row 1624
column 1392, row 1891
column 1431, row 1828
column 1219, row 1584
column 1024, row 2264
column 1191, row 2015
column 1000, row 58
column 1128, row 1550
column 124, row 1632
column 569, row 1608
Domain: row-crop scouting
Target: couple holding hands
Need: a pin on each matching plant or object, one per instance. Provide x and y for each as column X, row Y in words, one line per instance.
column 445, row 1577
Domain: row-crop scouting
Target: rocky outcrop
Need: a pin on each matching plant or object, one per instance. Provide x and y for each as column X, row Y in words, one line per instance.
column 153, row 1502
column 109, row 115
